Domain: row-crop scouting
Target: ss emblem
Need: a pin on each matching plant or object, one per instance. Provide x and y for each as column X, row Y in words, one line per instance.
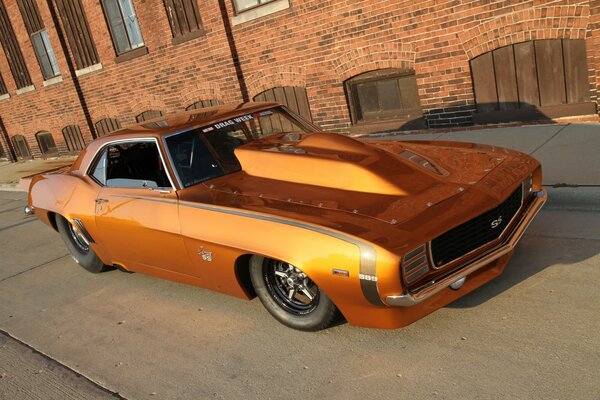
column 496, row 222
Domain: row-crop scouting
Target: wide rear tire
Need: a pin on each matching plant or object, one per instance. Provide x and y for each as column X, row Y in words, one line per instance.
column 290, row 296
column 78, row 247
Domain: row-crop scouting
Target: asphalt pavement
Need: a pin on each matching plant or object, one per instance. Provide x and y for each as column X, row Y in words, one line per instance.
column 532, row 333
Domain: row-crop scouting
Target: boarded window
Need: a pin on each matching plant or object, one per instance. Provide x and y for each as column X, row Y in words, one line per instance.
column 21, row 146
column 106, row 126
column 2, row 152
column 292, row 97
column 204, row 104
column 184, row 18
column 146, row 115
column 13, row 51
column 3, row 89
column 123, row 25
column 46, row 143
column 78, row 33
column 73, row 138
column 383, row 95
column 540, row 77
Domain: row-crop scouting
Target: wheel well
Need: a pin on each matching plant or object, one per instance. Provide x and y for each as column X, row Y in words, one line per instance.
column 242, row 272
column 52, row 219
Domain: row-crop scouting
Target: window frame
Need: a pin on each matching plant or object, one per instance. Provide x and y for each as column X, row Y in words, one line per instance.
column 46, row 46
column 19, row 154
column 131, row 52
column 177, row 37
column 98, row 155
column 78, row 33
column 351, row 84
column 51, row 153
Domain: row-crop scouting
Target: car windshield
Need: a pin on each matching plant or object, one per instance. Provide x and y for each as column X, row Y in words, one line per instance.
column 205, row 153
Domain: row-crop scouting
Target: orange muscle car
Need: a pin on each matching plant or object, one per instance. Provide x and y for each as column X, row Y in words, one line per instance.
column 251, row 200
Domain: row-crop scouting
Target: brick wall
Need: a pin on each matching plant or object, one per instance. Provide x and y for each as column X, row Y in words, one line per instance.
column 314, row 44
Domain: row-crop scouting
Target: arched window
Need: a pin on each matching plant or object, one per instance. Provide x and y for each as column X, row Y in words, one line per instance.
column 204, row 104
column 149, row 114
column 73, row 138
column 46, row 143
column 292, row 97
column 21, row 147
column 532, row 80
column 106, row 126
column 383, row 94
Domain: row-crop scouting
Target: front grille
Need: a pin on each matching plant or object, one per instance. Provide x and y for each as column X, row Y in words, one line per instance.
column 475, row 233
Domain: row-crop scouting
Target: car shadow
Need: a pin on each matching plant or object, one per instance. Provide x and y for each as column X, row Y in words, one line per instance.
column 535, row 253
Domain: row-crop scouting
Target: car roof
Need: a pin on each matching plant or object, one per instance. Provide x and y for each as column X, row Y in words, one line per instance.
column 167, row 124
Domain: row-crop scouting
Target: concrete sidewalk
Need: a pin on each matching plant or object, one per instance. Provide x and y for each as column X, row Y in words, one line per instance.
column 569, row 153
column 12, row 173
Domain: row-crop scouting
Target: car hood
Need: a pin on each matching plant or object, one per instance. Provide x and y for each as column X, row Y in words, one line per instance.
column 390, row 181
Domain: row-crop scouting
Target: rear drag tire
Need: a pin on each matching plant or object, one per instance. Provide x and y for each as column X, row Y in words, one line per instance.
column 82, row 256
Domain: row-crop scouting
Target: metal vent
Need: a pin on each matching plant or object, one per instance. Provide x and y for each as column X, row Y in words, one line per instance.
column 415, row 264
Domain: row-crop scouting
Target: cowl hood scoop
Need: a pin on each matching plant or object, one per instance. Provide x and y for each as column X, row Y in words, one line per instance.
column 387, row 181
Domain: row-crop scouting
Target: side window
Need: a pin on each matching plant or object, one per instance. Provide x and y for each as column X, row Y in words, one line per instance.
column 131, row 165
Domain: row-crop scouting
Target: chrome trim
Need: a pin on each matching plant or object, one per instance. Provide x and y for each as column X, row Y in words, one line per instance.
column 368, row 254
column 411, row 299
column 29, row 210
column 82, row 230
column 117, row 141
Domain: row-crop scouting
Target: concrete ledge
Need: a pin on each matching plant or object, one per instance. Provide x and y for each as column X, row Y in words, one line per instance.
column 260, row 11
column 26, row 89
column 88, row 70
column 53, row 81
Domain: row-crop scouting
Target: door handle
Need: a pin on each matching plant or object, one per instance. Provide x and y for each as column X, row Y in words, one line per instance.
column 100, row 201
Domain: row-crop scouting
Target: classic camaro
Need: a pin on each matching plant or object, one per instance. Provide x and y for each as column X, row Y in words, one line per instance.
column 252, row 200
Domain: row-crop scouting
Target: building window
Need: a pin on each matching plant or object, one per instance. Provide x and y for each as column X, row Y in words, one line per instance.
column 184, row 19
column 46, row 143
column 45, row 55
column 244, row 5
column 73, row 138
column 123, row 25
column 293, row 97
column 532, row 80
column 21, row 146
column 146, row 115
column 39, row 38
column 12, row 50
column 2, row 152
column 78, row 33
column 106, row 126
column 383, row 95
column 204, row 104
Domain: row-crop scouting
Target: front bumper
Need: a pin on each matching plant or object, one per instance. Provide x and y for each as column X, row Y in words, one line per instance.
column 411, row 299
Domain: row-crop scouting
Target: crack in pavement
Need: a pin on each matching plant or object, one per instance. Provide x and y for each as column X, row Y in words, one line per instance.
column 547, row 141
column 114, row 394
column 18, row 224
column 34, row 267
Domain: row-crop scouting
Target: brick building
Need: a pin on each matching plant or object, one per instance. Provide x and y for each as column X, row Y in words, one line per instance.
column 71, row 70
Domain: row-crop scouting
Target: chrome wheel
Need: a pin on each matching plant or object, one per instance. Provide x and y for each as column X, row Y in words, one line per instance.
column 290, row 287
column 78, row 239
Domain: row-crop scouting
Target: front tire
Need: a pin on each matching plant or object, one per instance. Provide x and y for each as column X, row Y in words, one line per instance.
column 290, row 296
column 79, row 247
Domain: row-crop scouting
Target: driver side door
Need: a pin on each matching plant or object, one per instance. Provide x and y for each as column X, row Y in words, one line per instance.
column 136, row 209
